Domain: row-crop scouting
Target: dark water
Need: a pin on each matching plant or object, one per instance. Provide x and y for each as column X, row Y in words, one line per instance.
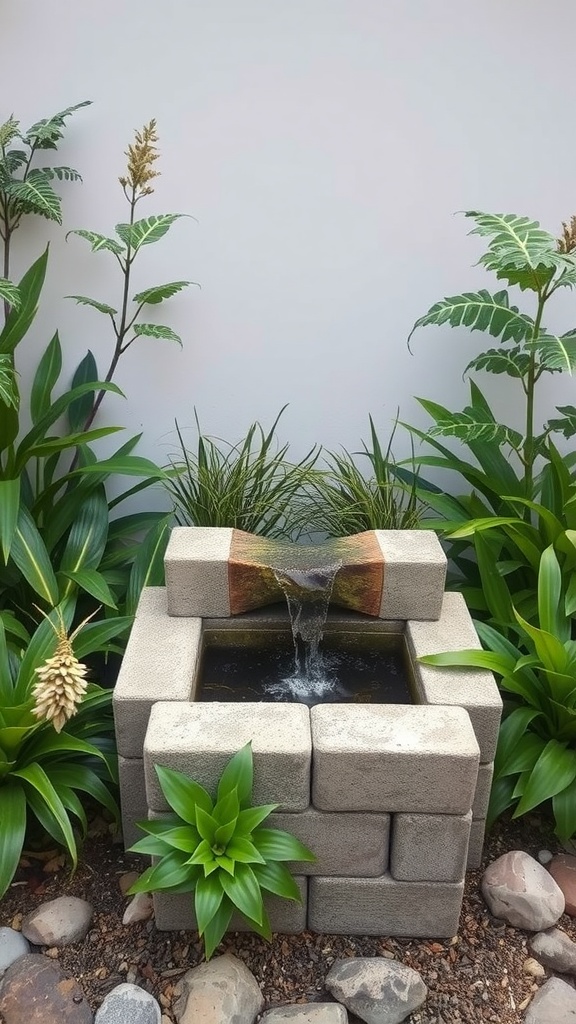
column 350, row 673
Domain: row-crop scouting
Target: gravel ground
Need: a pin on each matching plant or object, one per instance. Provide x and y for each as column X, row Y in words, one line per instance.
column 478, row 975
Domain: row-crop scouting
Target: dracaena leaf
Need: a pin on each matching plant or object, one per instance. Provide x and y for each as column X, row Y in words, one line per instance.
column 243, row 850
column 205, row 824
column 238, row 775
column 183, row 794
column 275, row 844
column 251, row 817
column 277, row 879
column 207, row 899
column 244, row 892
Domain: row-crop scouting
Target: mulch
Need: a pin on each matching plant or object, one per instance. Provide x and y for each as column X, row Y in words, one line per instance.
column 476, row 976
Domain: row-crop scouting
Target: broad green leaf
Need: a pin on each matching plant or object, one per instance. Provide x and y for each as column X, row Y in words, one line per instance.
column 79, row 776
column 225, row 862
column 152, row 296
column 126, row 465
column 244, row 850
column 516, row 243
column 38, row 431
column 30, row 555
column 36, row 195
column 226, row 809
column 151, row 846
column 566, row 423
column 244, row 891
column 238, row 775
column 207, row 899
column 9, row 510
column 550, row 612
column 86, row 541
column 95, row 635
column 183, row 794
column 45, row 378
column 101, row 307
column 251, row 817
column 148, row 566
column 480, row 311
column 79, row 410
column 170, row 871
column 92, row 582
column 59, row 444
column 549, row 649
column 202, row 854
column 564, row 807
column 205, row 824
column 557, row 353
column 512, row 729
column 493, row 584
column 275, row 844
column 277, row 879
column 35, row 777
column 99, row 242
column 498, row 663
column 525, row 754
column 570, row 604
column 215, row 929
column 20, row 320
column 223, row 835
column 144, row 232
column 512, row 361
column 156, row 331
column 13, row 831
column 182, row 837
column 501, row 798
column 554, row 770
column 9, row 294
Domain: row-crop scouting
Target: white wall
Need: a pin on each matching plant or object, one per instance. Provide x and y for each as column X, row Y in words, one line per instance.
column 323, row 146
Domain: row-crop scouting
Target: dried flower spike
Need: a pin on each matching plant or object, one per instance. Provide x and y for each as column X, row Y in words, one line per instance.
column 141, row 156
column 567, row 241
column 61, row 681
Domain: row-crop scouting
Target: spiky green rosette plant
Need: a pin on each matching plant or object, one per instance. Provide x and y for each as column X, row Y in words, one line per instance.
column 218, row 850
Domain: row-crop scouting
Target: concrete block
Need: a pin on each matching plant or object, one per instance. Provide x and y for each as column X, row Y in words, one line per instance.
column 429, row 847
column 160, row 661
column 414, row 574
column 482, row 794
column 476, row 845
column 473, row 689
column 383, row 906
column 199, row 740
column 354, row 845
column 132, row 798
column 393, row 758
column 175, row 912
column 196, row 564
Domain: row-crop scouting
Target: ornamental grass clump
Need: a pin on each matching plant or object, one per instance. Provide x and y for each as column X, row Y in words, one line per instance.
column 218, row 850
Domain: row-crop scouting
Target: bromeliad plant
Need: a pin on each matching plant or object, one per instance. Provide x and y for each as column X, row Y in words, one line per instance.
column 218, row 850
column 536, row 756
column 56, row 732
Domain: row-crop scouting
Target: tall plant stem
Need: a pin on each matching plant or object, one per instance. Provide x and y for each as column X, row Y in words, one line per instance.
column 529, row 454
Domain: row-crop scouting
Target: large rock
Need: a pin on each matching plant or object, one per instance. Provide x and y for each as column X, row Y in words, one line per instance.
column 554, row 949
column 128, row 1004
column 36, row 990
column 518, row 889
column 222, row 991
column 311, row 1013
column 380, row 991
column 555, row 1003
column 59, row 922
column 563, row 871
column 12, row 946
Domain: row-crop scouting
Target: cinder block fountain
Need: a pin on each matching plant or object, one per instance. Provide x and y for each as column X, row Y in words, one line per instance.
column 381, row 765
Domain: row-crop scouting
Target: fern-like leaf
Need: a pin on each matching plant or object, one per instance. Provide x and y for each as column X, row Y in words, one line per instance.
column 9, row 131
column 156, row 331
column 61, row 173
column 46, row 133
column 145, row 232
column 98, row 242
column 519, row 251
column 36, row 195
column 8, row 389
column 152, row 296
column 469, row 427
column 512, row 361
column 480, row 311
column 557, row 352
column 566, row 424
column 84, row 300
column 9, row 293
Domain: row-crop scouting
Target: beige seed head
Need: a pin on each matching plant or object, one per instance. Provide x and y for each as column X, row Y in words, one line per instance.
column 61, row 682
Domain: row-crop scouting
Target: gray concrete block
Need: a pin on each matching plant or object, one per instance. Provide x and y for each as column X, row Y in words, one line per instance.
column 309, row 1013
column 473, row 689
column 429, row 847
column 160, row 661
column 175, row 912
column 414, row 574
column 483, row 787
column 196, row 565
column 393, row 758
column 199, row 740
column 354, row 845
column 383, row 906
column 133, row 802
column 476, row 845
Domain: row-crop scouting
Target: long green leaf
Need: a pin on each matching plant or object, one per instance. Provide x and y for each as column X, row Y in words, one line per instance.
column 30, row 555
column 87, row 538
column 216, row 928
column 183, row 794
column 144, row 232
column 550, row 610
column 275, row 844
column 207, row 899
column 45, row 378
column 554, row 770
column 35, row 776
column 148, row 567
column 9, row 509
column 56, row 410
column 12, row 832
column 277, row 879
column 238, row 775
column 92, row 582
column 19, row 321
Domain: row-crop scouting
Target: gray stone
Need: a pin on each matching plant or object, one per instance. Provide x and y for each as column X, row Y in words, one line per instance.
column 222, row 991
column 311, row 1013
column 345, row 844
column 518, row 889
column 544, row 856
column 132, row 797
column 554, row 949
column 393, row 757
column 199, row 740
column 429, row 847
column 175, row 912
column 140, row 908
column 473, row 689
column 379, row 991
column 414, row 574
column 59, row 922
column 160, row 661
column 196, row 564
column 383, row 906
column 128, row 1004
column 554, row 1003
column 35, row 990
column 12, row 946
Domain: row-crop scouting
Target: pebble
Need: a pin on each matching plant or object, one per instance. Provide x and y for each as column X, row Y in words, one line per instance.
column 378, row 991
column 59, row 922
column 544, row 856
column 140, row 908
column 518, row 889
column 12, row 946
column 218, row 991
column 556, row 950
column 35, row 990
column 554, row 1003
column 128, row 1004
column 533, row 968
column 127, row 880
column 563, row 870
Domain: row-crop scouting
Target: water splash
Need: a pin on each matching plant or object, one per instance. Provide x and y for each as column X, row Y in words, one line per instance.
column 307, row 593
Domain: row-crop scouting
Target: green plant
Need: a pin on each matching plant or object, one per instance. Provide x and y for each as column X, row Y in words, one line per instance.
column 43, row 770
column 536, row 756
column 342, row 500
column 250, row 485
column 131, row 237
column 218, row 850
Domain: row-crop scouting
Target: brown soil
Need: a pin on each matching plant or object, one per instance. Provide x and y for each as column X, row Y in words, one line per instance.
column 476, row 976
